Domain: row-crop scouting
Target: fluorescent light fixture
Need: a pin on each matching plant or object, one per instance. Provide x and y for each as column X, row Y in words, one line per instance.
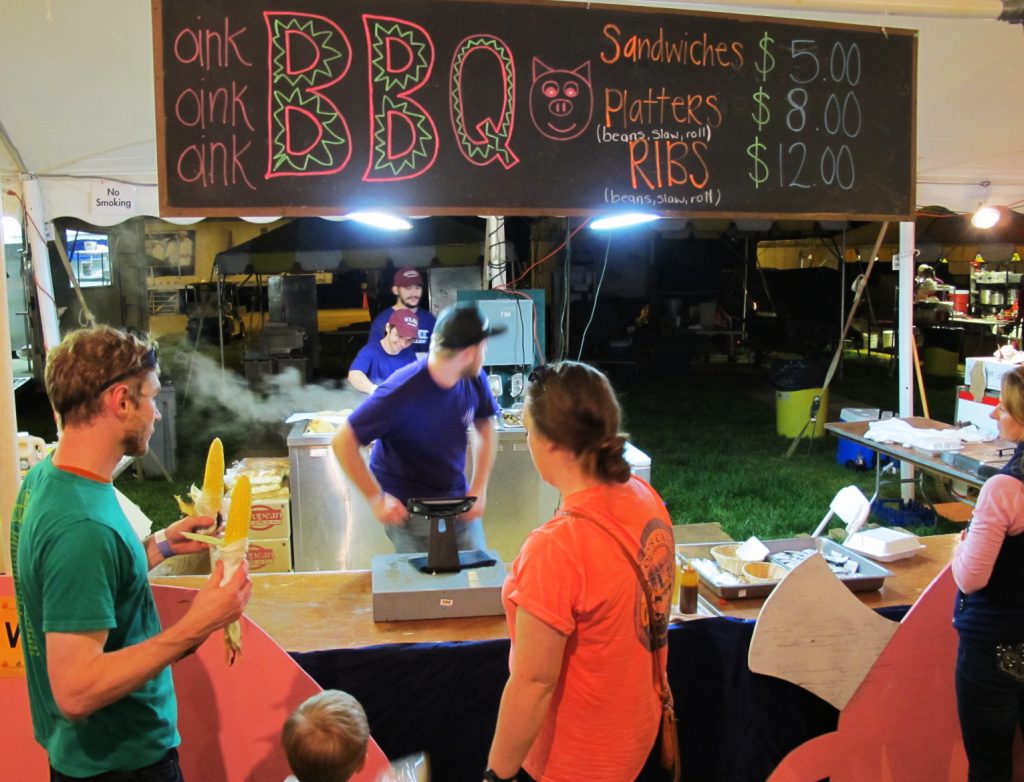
column 381, row 220
column 624, row 220
column 260, row 220
column 182, row 220
column 985, row 217
column 10, row 230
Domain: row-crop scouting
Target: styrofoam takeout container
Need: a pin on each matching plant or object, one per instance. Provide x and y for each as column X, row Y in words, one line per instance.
column 884, row 544
column 937, row 441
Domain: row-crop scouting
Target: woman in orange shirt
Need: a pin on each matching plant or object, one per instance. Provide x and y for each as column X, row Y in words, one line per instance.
column 581, row 701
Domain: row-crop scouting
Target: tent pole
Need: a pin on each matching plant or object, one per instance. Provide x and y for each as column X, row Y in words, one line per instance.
column 45, row 302
column 905, row 349
column 842, row 304
column 220, row 336
column 566, row 287
column 746, row 289
column 8, row 426
column 494, row 253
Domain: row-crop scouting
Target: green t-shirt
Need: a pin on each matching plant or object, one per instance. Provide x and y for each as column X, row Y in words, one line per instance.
column 79, row 567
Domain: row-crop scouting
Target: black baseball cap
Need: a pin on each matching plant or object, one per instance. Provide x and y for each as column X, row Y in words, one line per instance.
column 462, row 326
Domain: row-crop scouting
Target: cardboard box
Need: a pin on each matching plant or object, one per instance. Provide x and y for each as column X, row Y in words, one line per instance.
column 270, row 556
column 271, row 516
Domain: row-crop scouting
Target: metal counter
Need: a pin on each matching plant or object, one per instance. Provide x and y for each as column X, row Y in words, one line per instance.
column 333, row 528
column 518, row 501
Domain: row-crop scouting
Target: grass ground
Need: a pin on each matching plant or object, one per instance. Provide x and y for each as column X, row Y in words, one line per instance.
column 710, row 432
column 709, row 429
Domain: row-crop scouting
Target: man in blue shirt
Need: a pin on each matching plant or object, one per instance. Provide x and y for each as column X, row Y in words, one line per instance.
column 421, row 418
column 408, row 287
column 376, row 361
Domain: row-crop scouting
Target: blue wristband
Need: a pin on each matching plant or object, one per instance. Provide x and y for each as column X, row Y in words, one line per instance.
column 162, row 544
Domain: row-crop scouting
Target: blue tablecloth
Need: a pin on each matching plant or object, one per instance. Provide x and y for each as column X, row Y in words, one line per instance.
column 443, row 699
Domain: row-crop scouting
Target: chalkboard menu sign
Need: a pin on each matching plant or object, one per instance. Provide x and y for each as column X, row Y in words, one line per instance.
column 448, row 107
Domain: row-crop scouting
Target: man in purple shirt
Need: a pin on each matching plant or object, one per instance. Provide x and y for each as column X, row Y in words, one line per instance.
column 377, row 361
column 421, row 419
column 408, row 287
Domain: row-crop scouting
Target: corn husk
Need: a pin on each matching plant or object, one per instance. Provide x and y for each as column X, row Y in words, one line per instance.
column 209, row 500
column 232, row 553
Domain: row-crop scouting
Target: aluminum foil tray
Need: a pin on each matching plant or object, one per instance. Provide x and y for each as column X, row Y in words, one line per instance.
column 869, row 576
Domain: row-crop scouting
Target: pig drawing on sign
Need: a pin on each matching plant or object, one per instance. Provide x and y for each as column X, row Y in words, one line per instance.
column 561, row 101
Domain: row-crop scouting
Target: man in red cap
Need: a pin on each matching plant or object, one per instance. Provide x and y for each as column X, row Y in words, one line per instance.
column 377, row 360
column 408, row 287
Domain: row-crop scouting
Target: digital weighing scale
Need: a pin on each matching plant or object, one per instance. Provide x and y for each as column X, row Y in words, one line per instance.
column 443, row 583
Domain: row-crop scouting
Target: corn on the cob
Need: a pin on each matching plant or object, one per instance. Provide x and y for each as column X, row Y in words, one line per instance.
column 240, row 511
column 208, row 500
column 233, row 551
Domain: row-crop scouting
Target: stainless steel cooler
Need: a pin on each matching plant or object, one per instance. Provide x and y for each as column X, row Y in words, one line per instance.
column 518, row 501
column 332, row 526
column 334, row 529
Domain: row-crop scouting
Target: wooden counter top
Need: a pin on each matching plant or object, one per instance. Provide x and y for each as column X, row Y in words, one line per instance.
column 306, row 612
column 311, row 611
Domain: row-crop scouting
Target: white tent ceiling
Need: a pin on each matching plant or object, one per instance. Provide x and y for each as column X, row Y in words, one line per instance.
column 76, row 101
column 76, row 105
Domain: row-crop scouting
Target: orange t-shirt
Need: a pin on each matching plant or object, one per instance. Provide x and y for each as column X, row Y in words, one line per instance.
column 605, row 712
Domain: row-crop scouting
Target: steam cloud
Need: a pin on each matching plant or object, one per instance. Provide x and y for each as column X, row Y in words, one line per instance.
column 202, row 381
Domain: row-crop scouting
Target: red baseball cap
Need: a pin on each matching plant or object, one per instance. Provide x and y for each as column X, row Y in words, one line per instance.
column 406, row 278
column 406, row 323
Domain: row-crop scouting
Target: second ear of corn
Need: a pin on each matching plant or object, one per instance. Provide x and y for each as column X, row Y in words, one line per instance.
column 240, row 511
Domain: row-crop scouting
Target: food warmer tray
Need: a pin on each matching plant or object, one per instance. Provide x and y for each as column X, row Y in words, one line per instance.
column 869, row 576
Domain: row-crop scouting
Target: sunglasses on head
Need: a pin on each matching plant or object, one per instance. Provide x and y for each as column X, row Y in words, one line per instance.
column 146, row 362
column 539, row 373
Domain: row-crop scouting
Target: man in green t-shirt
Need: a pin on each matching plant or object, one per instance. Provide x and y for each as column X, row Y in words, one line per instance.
column 96, row 659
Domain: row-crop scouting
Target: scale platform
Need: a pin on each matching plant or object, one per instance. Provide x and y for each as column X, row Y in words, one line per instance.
column 401, row 592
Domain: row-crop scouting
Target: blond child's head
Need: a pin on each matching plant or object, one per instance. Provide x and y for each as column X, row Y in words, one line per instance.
column 326, row 738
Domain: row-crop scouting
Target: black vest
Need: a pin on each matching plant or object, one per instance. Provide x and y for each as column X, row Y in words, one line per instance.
column 996, row 612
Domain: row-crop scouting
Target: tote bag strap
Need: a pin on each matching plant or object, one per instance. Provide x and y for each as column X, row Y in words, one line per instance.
column 660, row 677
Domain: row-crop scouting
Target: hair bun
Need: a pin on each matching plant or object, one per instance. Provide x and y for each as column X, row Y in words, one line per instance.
column 611, row 459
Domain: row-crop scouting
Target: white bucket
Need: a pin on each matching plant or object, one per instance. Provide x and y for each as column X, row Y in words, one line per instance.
column 31, row 450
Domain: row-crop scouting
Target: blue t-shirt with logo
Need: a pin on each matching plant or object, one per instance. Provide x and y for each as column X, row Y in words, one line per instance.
column 426, row 328
column 377, row 364
column 421, row 431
